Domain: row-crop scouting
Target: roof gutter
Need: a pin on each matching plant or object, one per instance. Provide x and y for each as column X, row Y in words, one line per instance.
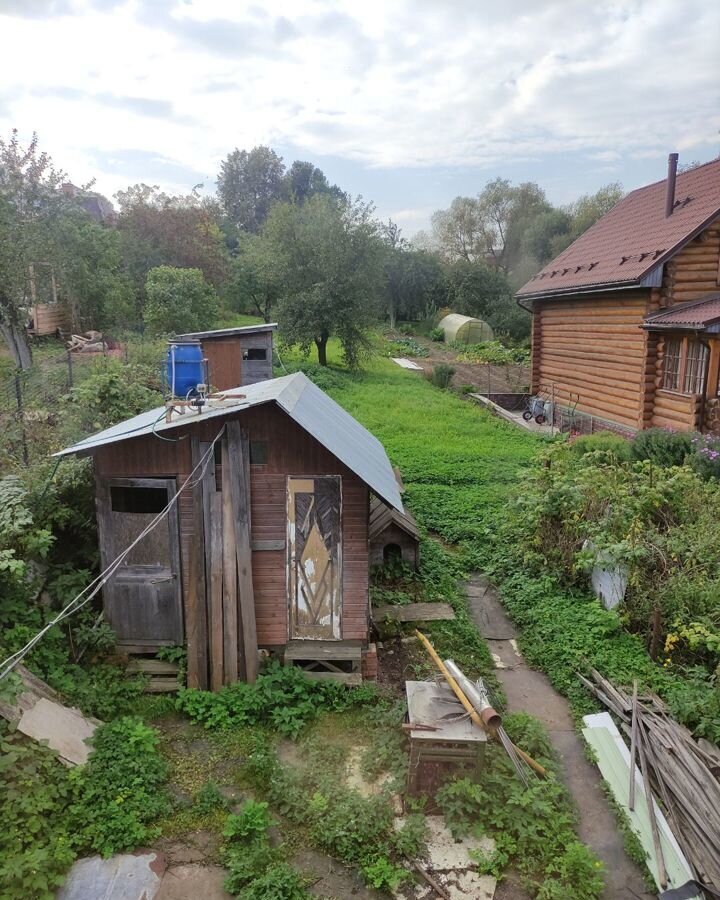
column 584, row 289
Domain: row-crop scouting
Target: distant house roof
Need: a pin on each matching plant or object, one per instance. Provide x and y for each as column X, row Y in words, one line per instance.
column 226, row 332
column 700, row 315
column 304, row 402
column 626, row 246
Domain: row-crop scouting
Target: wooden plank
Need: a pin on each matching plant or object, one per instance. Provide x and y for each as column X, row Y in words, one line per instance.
column 216, row 593
column 152, row 667
column 321, row 650
column 240, row 499
column 415, row 612
column 259, row 546
column 230, row 604
column 196, row 621
column 162, row 686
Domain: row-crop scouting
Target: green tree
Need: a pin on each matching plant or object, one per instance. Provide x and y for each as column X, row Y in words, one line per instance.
column 304, row 180
column 158, row 229
column 329, row 258
column 179, row 300
column 30, row 204
column 414, row 280
column 586, row 211
column 90, row 272
column 476, row 289
column 255, row 285
column 249, row 184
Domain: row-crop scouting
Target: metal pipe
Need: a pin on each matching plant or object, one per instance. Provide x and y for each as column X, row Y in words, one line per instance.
column 491, row 719
column 670, row 191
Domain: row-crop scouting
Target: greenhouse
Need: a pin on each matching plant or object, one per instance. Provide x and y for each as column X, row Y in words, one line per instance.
column 465, row 329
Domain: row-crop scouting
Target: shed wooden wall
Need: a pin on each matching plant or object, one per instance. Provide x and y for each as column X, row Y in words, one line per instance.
column 48, row 317
column 291, row 451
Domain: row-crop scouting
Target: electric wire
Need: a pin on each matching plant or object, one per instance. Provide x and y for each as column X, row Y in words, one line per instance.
column 97, row 584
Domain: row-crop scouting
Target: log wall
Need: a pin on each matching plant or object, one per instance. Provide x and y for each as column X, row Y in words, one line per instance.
column 694, row 271
column 290, row 451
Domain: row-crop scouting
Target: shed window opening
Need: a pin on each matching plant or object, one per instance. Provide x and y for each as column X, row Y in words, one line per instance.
column 255, row 353
column 695, row 366
column 671, row 364
column 139, row 500
column 258, row 453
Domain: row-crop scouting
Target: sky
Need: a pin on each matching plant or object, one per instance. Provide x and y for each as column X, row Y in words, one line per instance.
column 406, row 102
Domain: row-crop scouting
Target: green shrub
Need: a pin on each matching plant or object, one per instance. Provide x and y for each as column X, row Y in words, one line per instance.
column 178, row 300
column 442, row 375
column 279, row 882
column 493, row 352
column 35, row 845
column 252, row 822
column 405, row 328
column 113, row 392
column 705, row 455
column 437, row 334
column 209, row 799
column 119, row 791
column 661, row 446
column 384, row 875
column 282, row 697
column 409, row 347
column 608, row 442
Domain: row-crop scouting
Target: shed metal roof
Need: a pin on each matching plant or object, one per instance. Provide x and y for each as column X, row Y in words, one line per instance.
column 304, row 402
column 634, row 238
column 226, row 332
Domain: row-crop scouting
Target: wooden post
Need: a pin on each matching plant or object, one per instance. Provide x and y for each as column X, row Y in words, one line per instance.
column 230, row 610
column 195, row 608
column 217, row 666
column 240, row 498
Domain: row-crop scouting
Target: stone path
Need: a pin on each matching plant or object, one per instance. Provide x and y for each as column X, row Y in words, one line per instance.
column 529, row 690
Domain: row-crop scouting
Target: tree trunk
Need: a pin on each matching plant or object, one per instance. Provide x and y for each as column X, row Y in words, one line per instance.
column 321, row 344
column 17, row 341
column 391, row 311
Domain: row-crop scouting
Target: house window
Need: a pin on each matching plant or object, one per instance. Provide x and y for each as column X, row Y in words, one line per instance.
column 255, row 353
column 671, row 364
column 695, row 363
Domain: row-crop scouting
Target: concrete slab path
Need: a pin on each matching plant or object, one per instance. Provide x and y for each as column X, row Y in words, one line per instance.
column 530, row 691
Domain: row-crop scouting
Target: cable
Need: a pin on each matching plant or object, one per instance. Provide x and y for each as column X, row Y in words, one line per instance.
column 97, row 584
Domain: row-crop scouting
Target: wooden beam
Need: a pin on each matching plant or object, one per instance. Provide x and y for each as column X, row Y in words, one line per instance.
column 230, row 603
column 240, row 498
column 195, row 602
column 217, row 647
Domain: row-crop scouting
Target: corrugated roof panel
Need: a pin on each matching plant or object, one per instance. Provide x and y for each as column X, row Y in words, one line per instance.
column 226, row 332
column 304, row 402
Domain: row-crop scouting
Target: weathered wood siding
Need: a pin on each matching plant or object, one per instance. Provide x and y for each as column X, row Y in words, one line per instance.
column 227, row 367
column 49, row 317
column 593, row 347
column 290, row 451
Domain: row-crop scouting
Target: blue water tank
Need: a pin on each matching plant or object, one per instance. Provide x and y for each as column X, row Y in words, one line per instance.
column 185, row 367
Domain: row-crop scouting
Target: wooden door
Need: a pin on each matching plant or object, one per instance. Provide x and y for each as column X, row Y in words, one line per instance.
column 314, row 563
column 143, row 599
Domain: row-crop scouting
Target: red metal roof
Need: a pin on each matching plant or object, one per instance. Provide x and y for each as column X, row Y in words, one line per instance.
column 632, row 239
column 698, row 315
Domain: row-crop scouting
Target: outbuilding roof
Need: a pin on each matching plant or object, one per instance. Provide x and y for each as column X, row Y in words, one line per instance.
column 628, row 245
column 700, row 315
column 226, row 332
column 304, row 402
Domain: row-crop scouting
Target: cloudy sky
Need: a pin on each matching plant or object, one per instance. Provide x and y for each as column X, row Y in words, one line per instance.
column 408, row 102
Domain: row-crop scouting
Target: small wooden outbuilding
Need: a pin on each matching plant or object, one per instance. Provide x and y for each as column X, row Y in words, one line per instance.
column 236, row 356
column 256, row 510
column 394, row 534
column 465, row 329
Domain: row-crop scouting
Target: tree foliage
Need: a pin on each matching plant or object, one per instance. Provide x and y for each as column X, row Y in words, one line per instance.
column 249, row 183
column 179, row 300
column 329, row 258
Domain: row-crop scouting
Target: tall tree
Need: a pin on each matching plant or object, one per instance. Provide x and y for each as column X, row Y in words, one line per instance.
column 30, row 204
column 158, row 229
column 249, row 184
column 458, row 232
column 255, row 284
column 414, row 279
column 329, row 257
column 304, row 180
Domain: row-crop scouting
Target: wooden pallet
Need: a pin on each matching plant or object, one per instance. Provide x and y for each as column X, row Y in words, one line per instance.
column 326, row 660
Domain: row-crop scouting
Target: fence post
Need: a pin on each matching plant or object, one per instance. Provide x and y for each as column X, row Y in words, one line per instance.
column 21, row 417
column 70, row 368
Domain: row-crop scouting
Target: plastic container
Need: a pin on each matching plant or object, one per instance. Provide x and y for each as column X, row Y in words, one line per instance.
column 185, row 367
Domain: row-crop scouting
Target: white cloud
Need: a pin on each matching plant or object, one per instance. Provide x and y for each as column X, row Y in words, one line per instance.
column 403, row 84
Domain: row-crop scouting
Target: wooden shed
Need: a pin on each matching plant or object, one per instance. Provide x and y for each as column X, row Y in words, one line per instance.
column 465, row 329
column 258, row 510
column 236, row 356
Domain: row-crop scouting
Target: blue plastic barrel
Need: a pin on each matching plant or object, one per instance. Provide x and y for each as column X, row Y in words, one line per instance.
column 185, row 368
